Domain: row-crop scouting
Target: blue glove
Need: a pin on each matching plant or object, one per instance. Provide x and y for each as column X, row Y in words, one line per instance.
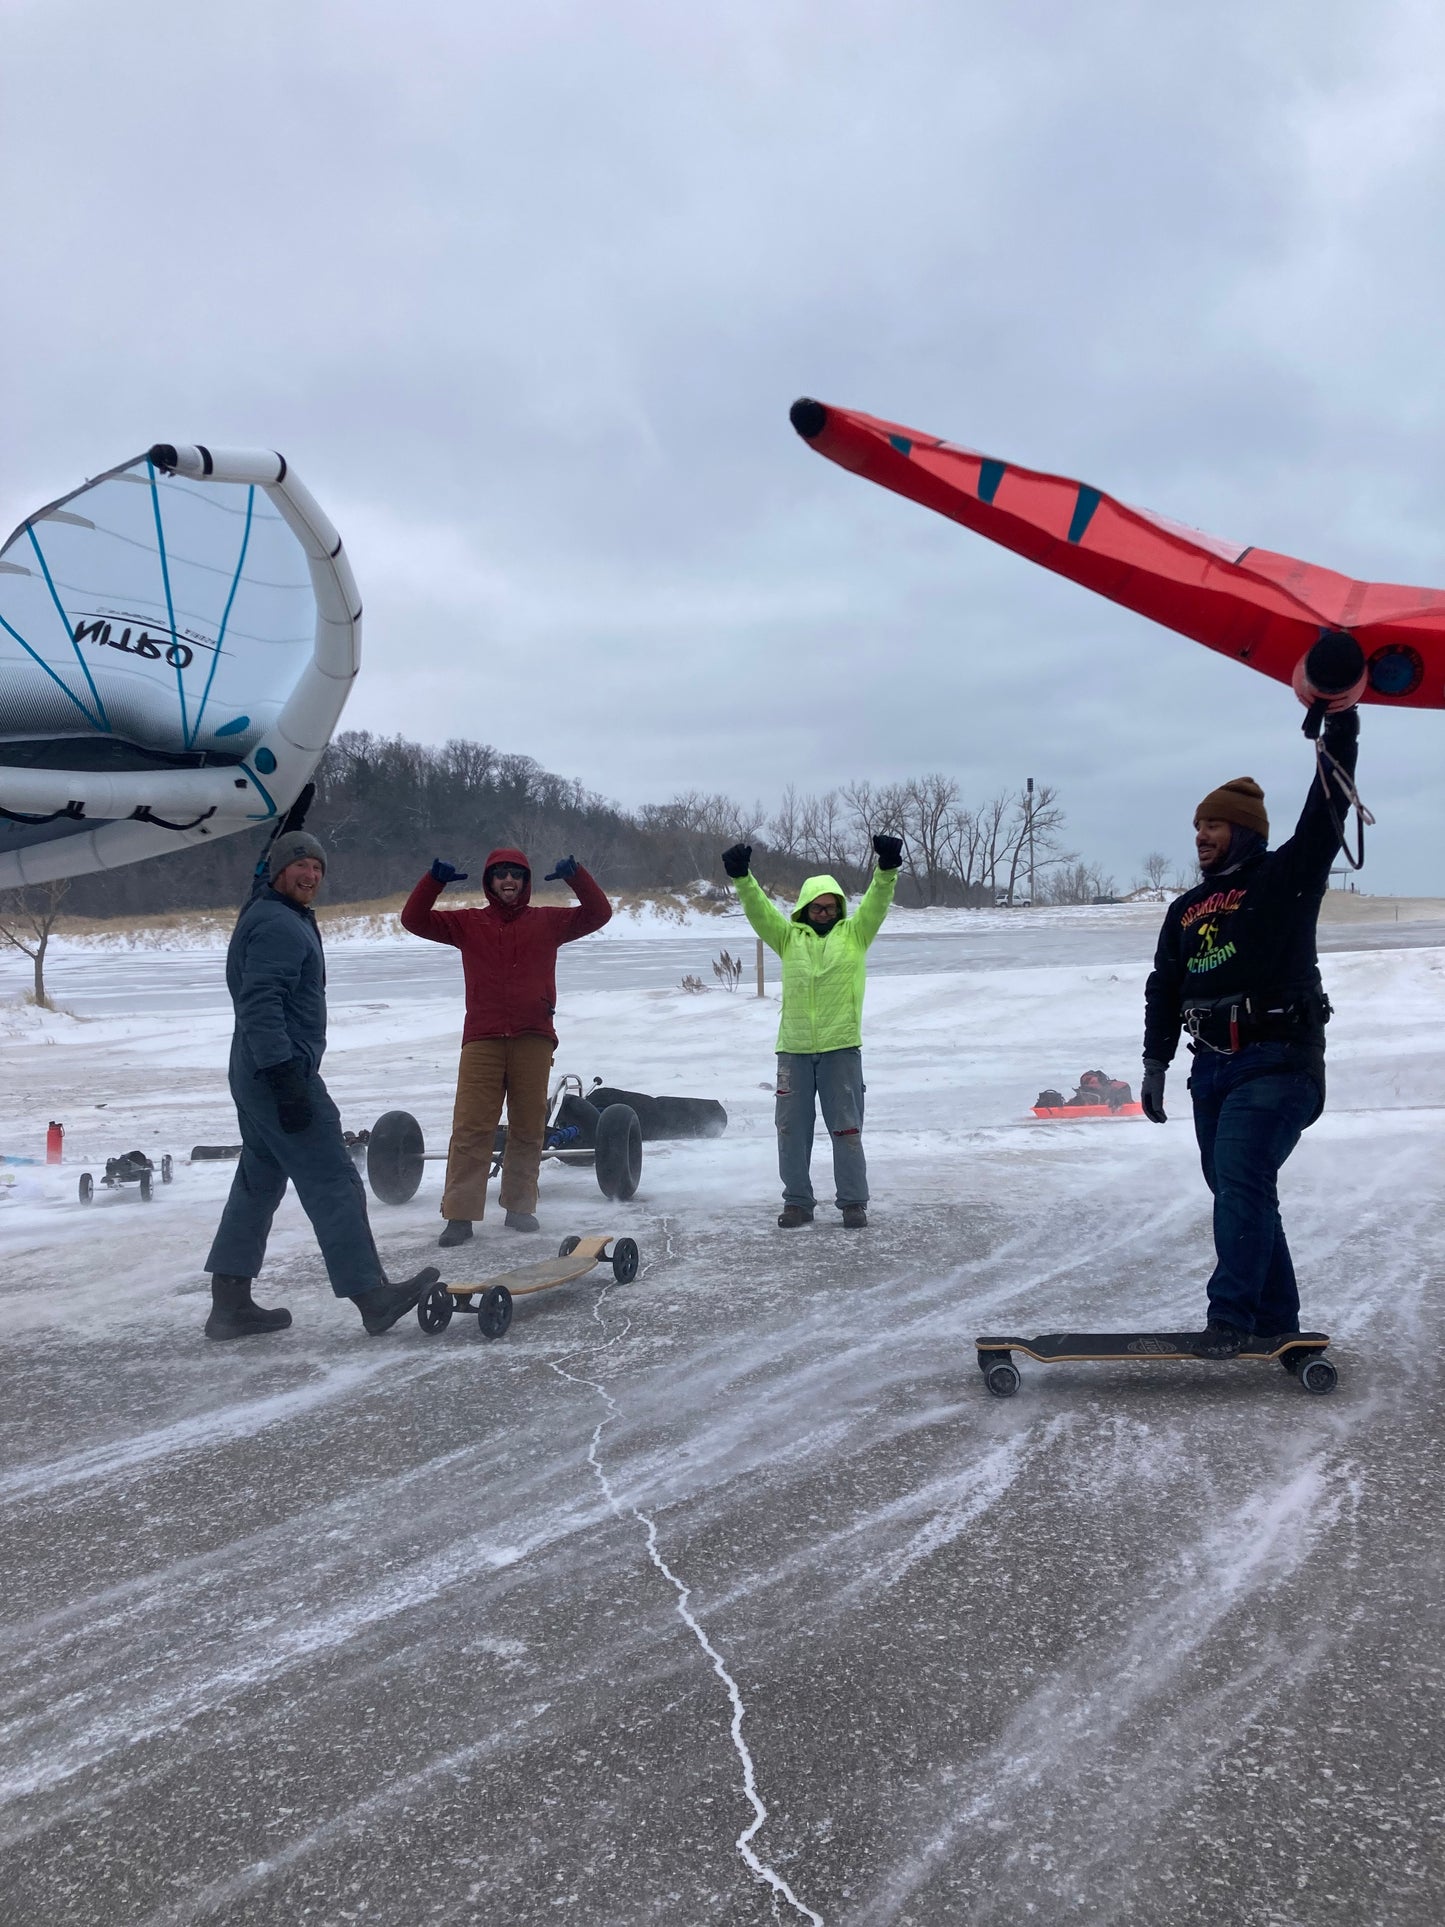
column 565, row 871
column 444, row 873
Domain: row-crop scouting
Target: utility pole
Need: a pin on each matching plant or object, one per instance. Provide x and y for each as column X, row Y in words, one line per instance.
column 1029, row 809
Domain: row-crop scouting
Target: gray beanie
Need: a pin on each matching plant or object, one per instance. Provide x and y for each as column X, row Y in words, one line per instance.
column 290, row 848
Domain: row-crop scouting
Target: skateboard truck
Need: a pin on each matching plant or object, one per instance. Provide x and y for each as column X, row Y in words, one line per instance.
column 1300, row 1353
column 493, row 1307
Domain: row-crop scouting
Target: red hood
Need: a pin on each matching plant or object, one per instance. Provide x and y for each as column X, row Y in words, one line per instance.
column 507, row 856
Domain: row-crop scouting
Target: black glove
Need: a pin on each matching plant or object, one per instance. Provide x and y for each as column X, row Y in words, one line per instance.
column 288, row 1083
column 1151, row 1091
column 444, row 873
column 736, row 860
column 565, row 871
column 890, row 852
column 296, row 815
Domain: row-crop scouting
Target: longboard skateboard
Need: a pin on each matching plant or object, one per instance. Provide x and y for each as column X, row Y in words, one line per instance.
column 493, row 1307
column 1301, row 1353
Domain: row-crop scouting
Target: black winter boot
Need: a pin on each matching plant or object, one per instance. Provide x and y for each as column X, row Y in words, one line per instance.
column 1219, row 1341
column 855, row 1217
column 792, row 1215
column 457, row 1232
column 384, row 1304
column 233, row 1315
column 521, row 1221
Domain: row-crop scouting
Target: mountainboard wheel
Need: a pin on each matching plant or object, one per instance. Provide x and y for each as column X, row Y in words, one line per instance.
column 1002, row 1380
column 167, row 1169
column 619, row 1152
column 624, row 1260
column 1318, row 1375
column 145, row 1187
column 395, row 1156
column 568, row 1246
column 87, row 1187
column 494, row 1313
column 434, row 1312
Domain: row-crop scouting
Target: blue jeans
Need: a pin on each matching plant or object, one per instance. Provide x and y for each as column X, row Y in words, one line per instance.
column 834, row 1079
column 1249, row 1111
column 327, row 1182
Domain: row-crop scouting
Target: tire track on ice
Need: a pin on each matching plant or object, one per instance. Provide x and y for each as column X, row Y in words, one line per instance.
column 744, row 1842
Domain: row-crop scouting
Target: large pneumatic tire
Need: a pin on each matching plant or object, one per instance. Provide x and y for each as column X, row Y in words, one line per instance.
column 395, row 1155
column 145, row 1187
column 619, row 1152
column 624, row 1261
column 87, row 1188
column 1318, row 1375
column 434, row 1312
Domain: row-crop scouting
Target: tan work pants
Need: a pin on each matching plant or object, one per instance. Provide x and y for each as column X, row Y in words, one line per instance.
column 494, row 1069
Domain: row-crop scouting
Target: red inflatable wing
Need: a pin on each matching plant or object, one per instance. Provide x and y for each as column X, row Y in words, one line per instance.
column 1263, row 609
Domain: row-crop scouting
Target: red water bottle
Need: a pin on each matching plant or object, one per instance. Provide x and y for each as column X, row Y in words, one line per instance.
column 54, row 1138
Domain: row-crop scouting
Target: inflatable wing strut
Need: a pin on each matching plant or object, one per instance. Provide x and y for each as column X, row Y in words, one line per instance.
column 1263, row 609
column 177, row 639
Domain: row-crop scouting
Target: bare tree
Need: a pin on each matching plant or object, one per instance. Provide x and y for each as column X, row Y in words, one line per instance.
column 27, row 918
column 1156, row 868
column 1076, row 882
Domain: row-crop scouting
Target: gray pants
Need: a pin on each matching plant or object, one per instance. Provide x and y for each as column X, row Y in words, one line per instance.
column 834, row 1079
column 327, row 1182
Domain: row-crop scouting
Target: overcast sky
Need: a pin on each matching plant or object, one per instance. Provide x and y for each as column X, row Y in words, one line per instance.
column 524, row 290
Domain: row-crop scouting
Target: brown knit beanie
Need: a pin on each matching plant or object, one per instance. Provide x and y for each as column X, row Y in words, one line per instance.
column 1239, row 801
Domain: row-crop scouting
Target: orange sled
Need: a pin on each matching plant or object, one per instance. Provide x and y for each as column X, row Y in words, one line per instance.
column 1088, row 1110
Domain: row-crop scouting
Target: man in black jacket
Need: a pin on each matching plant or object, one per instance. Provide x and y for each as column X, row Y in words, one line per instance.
column 1236, row 970
column 290, row 1128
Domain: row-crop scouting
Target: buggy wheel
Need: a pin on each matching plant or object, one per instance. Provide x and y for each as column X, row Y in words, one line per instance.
column 395, row 1154
column 624, row 1261
column 434, row 1312
column 494, row 1314
column 1002, row 1380
column 568, row 1246
column 145, row 1187
column 1318, row 1375
column 619, row 1152
column 167, row 1169
column 87, row 1187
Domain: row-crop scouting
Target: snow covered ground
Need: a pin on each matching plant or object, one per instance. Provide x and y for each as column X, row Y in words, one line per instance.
column 728, row 1595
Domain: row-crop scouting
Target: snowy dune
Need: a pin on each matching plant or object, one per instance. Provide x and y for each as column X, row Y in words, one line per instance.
column 727, row 1596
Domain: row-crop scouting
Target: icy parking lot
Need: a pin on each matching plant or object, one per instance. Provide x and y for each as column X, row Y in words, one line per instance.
column 728, row 1595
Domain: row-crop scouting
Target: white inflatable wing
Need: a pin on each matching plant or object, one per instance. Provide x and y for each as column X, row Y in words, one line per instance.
column 177, row 640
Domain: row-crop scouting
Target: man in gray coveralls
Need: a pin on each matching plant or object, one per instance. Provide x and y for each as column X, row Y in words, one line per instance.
column 290, row 1129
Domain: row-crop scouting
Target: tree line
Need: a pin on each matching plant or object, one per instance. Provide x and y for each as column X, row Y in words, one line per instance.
column 385, row 807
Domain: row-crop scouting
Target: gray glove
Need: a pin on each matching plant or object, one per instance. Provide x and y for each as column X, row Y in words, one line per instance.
column 1151, row 1091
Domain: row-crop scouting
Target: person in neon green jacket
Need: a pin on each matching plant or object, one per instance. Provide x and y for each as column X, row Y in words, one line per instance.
column 820, row 1035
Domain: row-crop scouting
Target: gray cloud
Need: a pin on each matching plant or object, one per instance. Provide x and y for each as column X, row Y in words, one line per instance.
column 525, row 293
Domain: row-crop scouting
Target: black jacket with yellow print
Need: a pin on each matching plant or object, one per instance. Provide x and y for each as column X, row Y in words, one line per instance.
column 1250, row 933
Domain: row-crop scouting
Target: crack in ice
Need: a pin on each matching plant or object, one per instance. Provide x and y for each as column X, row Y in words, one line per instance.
column 744, row 1841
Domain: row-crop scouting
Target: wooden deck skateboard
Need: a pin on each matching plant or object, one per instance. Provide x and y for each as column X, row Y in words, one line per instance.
column 493, row 1306
column 1301, row 1353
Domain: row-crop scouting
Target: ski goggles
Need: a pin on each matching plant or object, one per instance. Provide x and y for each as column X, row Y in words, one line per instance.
column 508, row 870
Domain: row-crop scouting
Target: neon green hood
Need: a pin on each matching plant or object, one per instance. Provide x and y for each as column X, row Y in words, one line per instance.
column 815, row 887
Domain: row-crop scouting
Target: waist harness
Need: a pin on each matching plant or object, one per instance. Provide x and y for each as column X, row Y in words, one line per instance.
column 1227, row 1024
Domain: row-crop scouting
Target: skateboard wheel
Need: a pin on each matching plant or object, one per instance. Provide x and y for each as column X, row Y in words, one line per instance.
column 1002, row 1380
column 494, row 1313
column 145, row 1187
column 434, row 1312
column 567, row 1247
column 167, row 1169
column 87, row 1187
column 624, row 1261
column 1318, row 1375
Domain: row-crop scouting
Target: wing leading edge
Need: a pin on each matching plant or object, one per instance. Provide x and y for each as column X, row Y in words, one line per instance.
column 1263, row 609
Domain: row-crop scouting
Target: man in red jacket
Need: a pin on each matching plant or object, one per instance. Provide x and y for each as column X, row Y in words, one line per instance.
column 509, row 962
